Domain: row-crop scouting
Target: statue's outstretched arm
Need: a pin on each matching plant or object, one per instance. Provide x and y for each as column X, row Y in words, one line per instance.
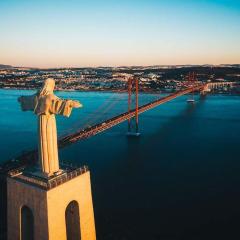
column 63, row 106
column 75, row 104
column 27, row 102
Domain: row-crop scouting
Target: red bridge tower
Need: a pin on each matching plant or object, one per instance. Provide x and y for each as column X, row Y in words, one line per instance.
column 133, row 89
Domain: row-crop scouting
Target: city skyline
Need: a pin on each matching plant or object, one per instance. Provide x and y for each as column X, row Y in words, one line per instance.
column 109, row 33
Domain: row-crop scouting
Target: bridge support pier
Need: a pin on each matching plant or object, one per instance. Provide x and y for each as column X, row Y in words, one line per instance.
column 133, row 84
column 133, row 134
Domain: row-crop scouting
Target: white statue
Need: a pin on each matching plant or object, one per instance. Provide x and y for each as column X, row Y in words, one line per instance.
column 45, row 104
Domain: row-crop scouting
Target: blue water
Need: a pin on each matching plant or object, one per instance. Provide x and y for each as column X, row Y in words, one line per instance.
column 179, row 180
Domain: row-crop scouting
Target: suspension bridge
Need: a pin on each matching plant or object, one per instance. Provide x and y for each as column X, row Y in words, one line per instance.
column 132, row 114
column 133, row 84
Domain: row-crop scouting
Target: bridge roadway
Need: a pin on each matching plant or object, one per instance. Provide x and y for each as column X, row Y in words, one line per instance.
column 100, row 127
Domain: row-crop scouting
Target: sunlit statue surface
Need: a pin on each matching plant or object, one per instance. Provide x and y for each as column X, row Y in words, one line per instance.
column 45, row 105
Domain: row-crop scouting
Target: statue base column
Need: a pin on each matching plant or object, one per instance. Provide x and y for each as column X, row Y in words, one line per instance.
column 57, row 209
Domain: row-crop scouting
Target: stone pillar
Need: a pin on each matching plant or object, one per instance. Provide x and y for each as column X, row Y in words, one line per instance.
column 48, row 207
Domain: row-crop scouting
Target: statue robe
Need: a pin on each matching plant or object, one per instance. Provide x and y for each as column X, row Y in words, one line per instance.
column 46, row 107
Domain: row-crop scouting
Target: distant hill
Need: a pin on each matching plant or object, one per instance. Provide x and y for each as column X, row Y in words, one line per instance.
column 5, row 66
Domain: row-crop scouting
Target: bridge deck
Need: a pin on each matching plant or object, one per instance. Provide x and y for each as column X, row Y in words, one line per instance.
column 93, row 130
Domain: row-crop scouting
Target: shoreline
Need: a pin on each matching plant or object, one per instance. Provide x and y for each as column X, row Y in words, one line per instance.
column 113, row 91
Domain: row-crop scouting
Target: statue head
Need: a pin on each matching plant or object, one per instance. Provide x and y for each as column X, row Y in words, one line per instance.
column 48, row 87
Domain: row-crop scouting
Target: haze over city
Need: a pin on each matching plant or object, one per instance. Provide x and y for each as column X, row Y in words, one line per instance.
column 115, row 33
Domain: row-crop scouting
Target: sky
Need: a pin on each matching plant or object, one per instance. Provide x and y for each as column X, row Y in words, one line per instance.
column 90, row 33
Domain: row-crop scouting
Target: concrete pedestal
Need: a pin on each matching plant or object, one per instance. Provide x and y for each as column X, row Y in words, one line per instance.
column 48, row 205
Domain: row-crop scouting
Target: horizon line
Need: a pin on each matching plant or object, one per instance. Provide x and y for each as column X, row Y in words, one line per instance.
column 122, row 66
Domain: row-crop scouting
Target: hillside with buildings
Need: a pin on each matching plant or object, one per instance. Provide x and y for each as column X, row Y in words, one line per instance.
column 152, row 78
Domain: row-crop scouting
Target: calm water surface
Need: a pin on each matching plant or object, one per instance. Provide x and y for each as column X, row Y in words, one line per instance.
column 179, row 180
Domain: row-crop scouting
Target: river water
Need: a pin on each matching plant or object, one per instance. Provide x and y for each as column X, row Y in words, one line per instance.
column 179, row 180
